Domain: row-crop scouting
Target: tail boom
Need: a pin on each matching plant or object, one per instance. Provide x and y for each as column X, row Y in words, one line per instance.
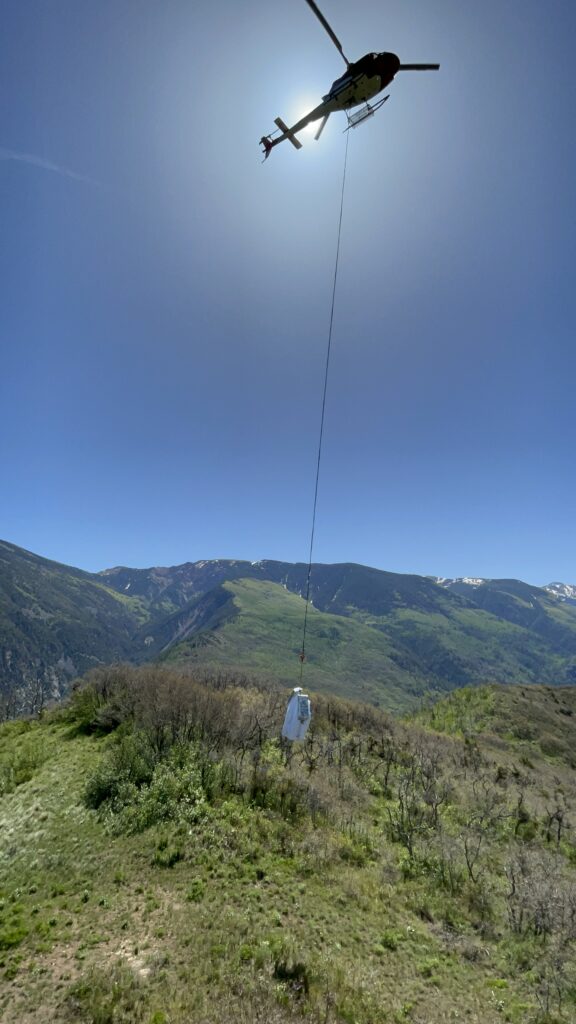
column 268, row 141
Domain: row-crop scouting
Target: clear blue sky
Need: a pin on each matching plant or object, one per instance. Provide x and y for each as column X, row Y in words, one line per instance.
column 165, row 296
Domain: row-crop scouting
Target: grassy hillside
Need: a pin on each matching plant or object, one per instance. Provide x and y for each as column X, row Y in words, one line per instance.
column 391, row 659
column 262, row 633
column 536, row 722
column 164, row 859
column 533, row 608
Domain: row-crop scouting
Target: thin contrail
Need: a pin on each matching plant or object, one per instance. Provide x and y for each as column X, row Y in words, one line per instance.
column 46, row 165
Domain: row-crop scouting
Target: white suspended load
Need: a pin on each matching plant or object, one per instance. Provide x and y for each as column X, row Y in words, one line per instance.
column 298, row 715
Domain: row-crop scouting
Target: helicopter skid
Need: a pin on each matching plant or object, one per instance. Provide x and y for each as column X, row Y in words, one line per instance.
column 368, row 110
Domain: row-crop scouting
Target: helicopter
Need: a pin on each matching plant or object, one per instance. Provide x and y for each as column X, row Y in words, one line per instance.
column 362, row 80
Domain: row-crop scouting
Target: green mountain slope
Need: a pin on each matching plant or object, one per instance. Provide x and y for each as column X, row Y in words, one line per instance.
column 261, row 632
column 534, row 721
column 382, row 636
column 392, row 659
column 503, row 631
column 533, row 608
column 165, row 860
column 55, row 623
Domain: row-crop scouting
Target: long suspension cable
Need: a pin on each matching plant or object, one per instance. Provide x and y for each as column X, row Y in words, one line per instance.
column 321, row 435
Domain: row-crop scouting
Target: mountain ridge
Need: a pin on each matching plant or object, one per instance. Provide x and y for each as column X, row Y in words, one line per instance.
column 405, row 635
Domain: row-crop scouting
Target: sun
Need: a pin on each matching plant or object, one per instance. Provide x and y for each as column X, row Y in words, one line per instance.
column 302, row 106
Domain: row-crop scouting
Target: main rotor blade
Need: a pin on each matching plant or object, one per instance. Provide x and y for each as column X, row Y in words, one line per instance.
column 419, row 67
column 330, row 31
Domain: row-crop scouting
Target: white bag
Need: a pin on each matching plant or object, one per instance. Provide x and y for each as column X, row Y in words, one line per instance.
column 298, row 715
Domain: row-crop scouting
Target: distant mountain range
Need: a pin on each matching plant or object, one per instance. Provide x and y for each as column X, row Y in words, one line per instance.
column 563, row 591
column 384, row 637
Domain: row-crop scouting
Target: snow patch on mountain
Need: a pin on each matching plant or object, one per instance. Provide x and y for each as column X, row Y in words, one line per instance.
column 471, row 581
column 563, row 591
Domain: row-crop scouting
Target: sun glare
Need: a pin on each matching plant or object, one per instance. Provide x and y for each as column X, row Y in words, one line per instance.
column 302, row 107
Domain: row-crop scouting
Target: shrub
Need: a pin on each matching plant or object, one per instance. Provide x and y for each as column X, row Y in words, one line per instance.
column 274, row 788
column 390, row 939
column 129, row 763
column 173, row 794
column 12, row 935
column 21, row 766
column 294, row 974
column 85, row 704
column 196, row 891
column 167, row 855
column 552, row 747
column 137, row 790
column 527, row 830
column 428, row 967
column 112, row 996
column 353, row 851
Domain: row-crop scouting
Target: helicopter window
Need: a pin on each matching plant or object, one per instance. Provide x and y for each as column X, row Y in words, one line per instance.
column 340, row 83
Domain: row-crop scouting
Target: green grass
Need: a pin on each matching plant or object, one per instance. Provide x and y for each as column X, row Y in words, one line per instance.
column 253, row 911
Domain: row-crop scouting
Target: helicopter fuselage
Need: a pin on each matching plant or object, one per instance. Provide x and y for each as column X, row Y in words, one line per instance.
column 362, row 80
